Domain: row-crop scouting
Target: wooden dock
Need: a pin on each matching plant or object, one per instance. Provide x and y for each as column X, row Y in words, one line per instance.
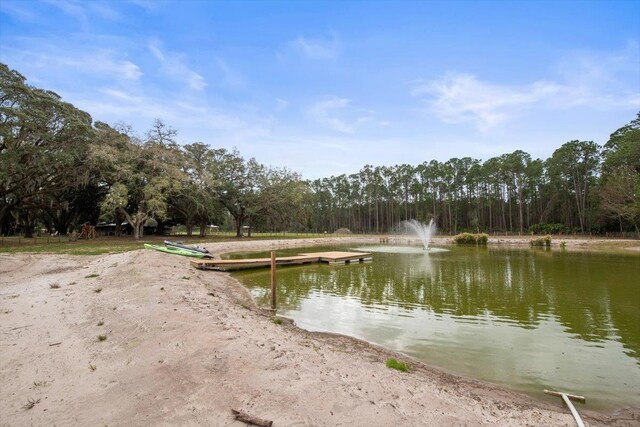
column 308, row 258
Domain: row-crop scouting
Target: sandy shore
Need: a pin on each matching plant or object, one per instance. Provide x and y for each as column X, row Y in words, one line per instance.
column 184, row 346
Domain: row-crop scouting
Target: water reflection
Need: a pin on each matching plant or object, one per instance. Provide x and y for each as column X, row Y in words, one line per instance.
column 522, row 317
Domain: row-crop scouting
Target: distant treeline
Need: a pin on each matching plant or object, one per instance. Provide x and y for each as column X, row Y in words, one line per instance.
column 59, row 169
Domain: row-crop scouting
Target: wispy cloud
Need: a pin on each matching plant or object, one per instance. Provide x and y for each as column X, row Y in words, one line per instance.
column 230, row 76
column 324, row 113
column 338, row 114
column 103, row 62
column 85, row 12
column 602, row 79
column 20, row 11
column 584, row 80
column 281, row 104
column 173, row 64
column 322, row 48
column 459, row 98
column 119, row 105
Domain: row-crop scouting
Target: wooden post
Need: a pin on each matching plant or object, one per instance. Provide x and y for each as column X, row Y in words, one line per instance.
column 273, row 280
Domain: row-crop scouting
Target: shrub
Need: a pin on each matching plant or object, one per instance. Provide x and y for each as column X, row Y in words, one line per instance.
column 541, row 241
column 549, row 229
column 482, row 239
column 464, row 239
column 471, row 239
column 394, row 364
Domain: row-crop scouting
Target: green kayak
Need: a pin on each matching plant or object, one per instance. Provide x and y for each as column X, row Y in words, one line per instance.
column 175, row 251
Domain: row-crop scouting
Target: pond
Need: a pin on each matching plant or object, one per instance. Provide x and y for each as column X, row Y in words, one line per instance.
column 528, row 319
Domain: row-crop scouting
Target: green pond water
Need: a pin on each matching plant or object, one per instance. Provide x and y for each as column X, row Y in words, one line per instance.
column 528, row 319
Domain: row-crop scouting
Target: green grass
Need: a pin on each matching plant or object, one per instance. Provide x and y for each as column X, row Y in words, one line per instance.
column 394, row 364
column 91, row 276
column 277, row 320
column 104, row 245
column 102, row 337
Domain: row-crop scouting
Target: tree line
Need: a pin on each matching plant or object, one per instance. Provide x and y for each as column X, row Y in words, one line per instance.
column 59, row 169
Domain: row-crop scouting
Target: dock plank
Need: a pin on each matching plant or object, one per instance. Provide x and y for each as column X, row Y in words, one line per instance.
column 308, row 258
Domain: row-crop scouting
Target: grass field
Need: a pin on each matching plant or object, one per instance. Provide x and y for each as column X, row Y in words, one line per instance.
column 102, row 245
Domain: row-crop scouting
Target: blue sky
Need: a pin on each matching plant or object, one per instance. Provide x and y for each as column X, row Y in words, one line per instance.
column 326, row 87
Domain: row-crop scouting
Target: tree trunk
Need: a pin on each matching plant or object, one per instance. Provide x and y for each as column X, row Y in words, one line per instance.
column 239, row 221
column 160, row 228
column 28, row 229
column 119, row 219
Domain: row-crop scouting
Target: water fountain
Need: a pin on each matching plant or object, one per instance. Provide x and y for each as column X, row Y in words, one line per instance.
column 423, row 231
column 414, row 228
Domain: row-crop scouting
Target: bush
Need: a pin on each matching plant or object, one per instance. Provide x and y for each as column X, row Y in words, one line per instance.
column 541, row 241
column 471, row 239
column 394, row 364
column 482, row 239
column 549, row 229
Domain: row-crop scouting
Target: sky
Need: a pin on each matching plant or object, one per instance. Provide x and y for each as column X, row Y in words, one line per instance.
column 325, row 87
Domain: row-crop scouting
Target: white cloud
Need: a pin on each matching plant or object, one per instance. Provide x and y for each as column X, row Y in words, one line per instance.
column 48, row 57
column 324, row 113
column 173, row 64
column 114, row 93
column 16, row 10
column 338, row 114
column 459, row 98
column 317, row 48
column 281, row 104
column 230, row 76
column 585, row 80
column 601, row 80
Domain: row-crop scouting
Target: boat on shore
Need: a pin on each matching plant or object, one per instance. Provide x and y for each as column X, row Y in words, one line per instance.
column 177, row 251
column 181, row 245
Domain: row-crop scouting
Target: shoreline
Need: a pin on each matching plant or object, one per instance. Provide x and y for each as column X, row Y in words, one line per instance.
column 184, row 346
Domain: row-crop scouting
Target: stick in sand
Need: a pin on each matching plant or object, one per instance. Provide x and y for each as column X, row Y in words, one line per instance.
column 566, row 398
column 250, row 419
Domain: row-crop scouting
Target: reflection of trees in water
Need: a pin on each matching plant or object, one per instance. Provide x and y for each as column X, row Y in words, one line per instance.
column 593, row 296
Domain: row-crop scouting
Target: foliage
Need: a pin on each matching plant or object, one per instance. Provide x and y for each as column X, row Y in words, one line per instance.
column 471, row 239
column 619, row 191
column 573, row 168
column 549, row 229
column 541, row 241
column 43, row 144
column 400, row 366
column 58, row 170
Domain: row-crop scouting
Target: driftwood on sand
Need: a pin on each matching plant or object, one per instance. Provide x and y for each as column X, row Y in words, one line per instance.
column 250, row 419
